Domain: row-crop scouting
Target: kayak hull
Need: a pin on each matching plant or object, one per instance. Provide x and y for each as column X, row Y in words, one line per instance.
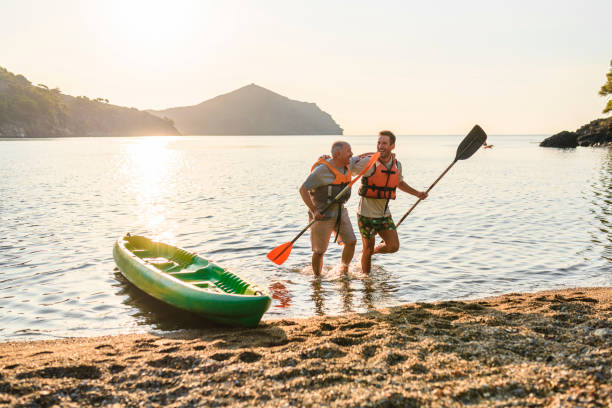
column 189, row 282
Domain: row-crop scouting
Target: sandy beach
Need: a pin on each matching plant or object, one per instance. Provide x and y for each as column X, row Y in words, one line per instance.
column 551, row 348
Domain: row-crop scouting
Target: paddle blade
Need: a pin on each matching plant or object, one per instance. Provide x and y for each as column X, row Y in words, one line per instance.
column 280, row 254
column 471, row 143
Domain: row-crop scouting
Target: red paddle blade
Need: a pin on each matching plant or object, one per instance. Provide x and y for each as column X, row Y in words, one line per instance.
column 280, row 254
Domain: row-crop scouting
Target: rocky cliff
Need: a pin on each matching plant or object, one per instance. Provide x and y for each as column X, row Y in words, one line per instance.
column 251, row 110
column 596, row 133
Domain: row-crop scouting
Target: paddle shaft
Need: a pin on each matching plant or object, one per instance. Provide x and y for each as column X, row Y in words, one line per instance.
column 287, row 247
column 474, row 139
column 327, row 207
column 428, row 190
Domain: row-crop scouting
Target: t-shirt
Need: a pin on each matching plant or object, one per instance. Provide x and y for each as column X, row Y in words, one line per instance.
column 372, row 207
column 322, row 176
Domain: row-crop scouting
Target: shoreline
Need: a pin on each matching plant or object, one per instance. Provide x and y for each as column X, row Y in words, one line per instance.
column 549, row 348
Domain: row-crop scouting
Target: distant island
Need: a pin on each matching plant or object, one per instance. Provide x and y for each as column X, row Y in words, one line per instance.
column 28, row 110
column 251, row 110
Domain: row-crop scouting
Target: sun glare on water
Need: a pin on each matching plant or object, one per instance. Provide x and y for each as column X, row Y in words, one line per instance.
column 149, row 167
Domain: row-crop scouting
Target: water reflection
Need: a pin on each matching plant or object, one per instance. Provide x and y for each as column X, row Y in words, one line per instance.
column 368, row 294
column 346, row 291
column 371, row 290
column 280, row 293
column 603, row 204
column 149, row 311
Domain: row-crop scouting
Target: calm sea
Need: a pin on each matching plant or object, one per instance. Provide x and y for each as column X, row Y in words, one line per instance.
column 510, row 219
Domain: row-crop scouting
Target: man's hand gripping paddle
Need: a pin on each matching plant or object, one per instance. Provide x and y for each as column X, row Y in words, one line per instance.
column 280, row 254
column 466, row 149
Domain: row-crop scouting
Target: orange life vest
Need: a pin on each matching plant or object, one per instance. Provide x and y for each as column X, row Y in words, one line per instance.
column 382, row 183
column 326, row 194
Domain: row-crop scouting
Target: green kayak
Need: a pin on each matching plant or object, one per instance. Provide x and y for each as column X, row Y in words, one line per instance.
column 189, row 282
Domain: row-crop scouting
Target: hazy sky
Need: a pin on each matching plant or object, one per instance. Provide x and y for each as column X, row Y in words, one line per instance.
column 416, row 67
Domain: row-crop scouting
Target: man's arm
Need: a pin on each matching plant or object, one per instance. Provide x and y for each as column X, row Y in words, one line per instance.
column 363, row 155
column 358, row 157
column 407, row 189
column 358, row 163
column 308, row 201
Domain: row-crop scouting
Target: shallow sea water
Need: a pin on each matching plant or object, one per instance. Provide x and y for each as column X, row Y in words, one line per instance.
column 513, row 218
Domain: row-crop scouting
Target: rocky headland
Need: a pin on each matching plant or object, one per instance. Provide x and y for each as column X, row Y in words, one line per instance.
column 596, row 133
column 251, row 110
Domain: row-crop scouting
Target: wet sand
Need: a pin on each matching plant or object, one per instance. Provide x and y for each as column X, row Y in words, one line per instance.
column 551, row 348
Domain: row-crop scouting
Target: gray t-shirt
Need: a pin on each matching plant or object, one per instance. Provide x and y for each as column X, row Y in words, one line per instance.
column 372, row 207
column 322, row 176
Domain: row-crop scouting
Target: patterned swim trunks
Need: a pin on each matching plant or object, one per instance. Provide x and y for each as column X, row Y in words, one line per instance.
column 370, row 226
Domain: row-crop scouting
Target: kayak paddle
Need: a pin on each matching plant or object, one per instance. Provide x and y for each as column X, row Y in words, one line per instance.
column 465, row 150
column 280, row 254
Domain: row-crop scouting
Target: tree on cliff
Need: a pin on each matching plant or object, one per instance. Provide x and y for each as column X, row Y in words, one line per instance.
column 606, row 89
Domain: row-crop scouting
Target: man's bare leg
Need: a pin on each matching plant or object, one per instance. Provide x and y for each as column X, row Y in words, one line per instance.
column 319, row 240
column 366, row 253
column 317, row 262
column 347, row 255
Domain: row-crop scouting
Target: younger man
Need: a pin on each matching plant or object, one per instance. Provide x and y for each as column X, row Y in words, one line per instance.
column 378, row 186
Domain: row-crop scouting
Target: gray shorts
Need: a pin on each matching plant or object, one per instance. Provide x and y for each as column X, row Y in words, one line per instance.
column 321, row 231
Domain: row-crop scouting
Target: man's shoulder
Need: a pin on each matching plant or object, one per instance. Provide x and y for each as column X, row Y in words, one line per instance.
column 319, row 176
column 321, row 168
column 397, row 163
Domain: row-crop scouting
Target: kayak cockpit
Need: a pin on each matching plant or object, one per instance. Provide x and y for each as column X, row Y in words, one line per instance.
column 187, row 267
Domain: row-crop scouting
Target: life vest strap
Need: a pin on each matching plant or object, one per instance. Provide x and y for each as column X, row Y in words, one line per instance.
column 380, row 188
column 338, row 221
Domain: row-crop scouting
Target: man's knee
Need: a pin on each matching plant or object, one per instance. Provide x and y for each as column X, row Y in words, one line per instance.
column 393, row 247
column 318, row 252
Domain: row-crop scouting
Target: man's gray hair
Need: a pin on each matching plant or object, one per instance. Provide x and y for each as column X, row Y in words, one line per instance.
column 337, row 146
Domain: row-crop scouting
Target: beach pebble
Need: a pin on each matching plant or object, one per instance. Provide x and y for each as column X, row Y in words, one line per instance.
column 602, row 332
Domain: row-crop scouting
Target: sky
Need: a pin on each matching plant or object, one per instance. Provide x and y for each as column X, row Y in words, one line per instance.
column 415, row 67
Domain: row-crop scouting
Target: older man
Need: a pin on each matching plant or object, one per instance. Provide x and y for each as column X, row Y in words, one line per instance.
column 327, row 178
